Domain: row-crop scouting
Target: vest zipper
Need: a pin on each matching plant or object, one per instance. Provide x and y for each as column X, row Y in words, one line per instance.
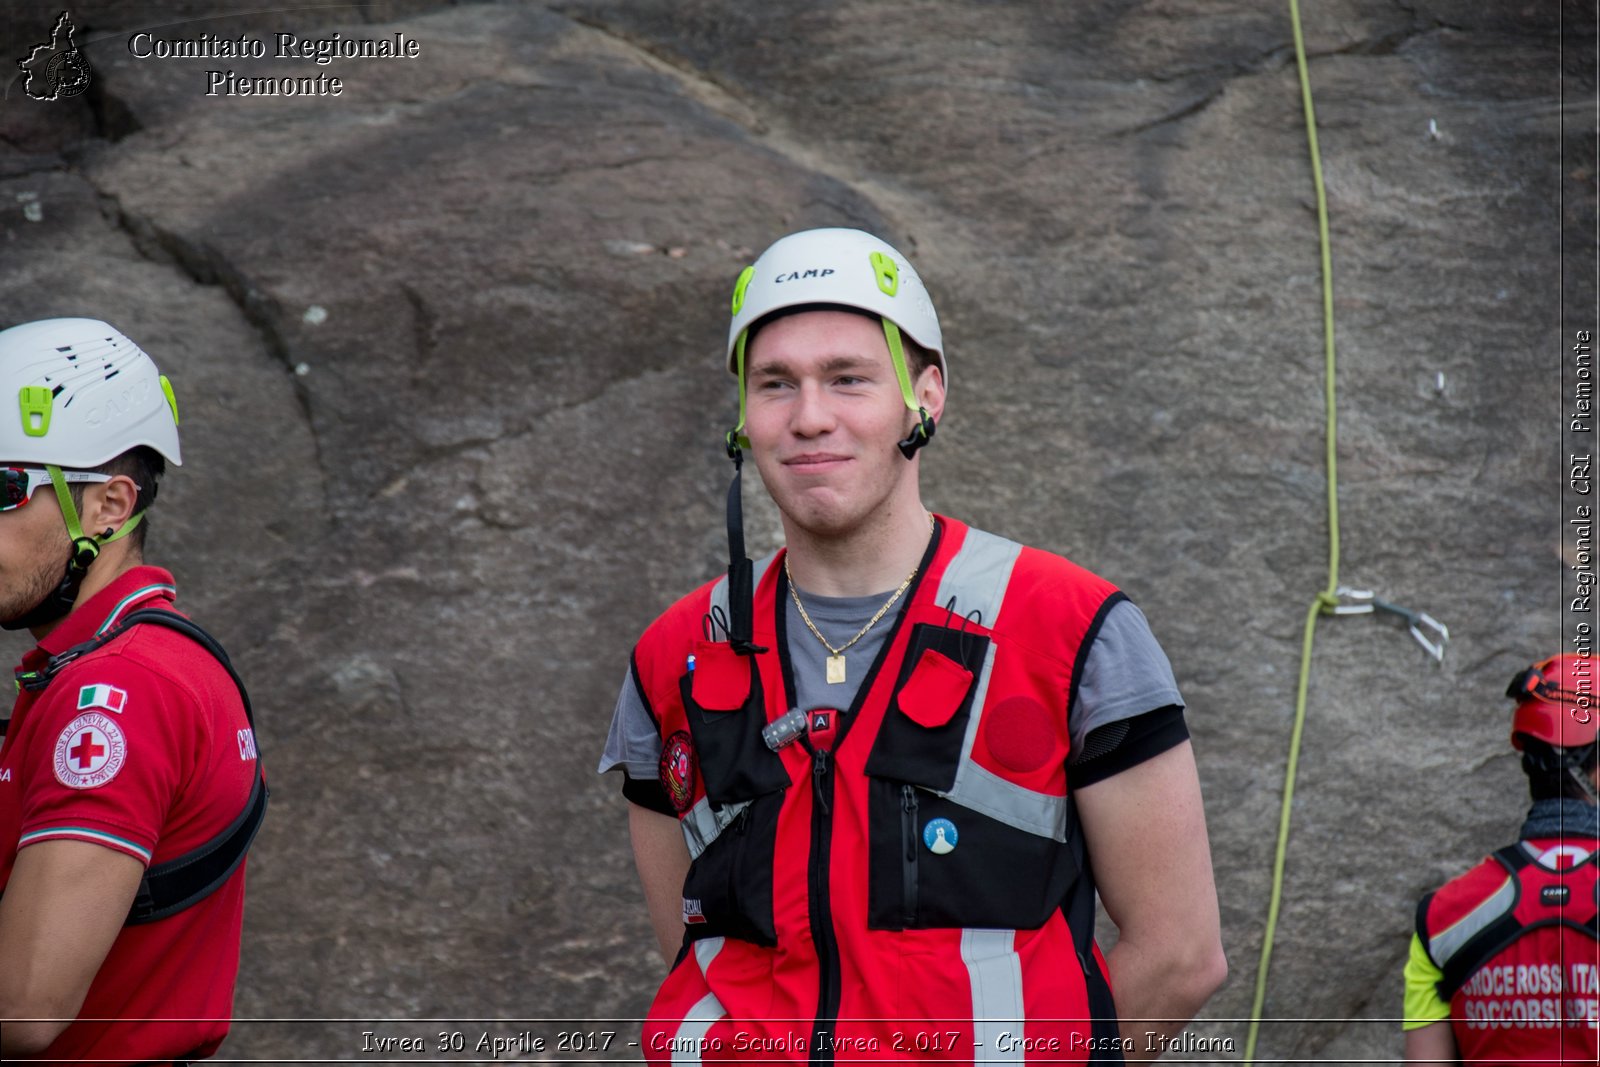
column 819, row 775
column 820, row 912
column 908, row 841
column 822, row 936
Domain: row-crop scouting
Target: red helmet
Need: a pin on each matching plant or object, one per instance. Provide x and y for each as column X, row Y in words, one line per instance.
column 1556, row 702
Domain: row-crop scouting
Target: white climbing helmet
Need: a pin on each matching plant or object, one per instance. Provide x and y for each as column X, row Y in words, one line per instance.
column 836, row 266
column 77, row 393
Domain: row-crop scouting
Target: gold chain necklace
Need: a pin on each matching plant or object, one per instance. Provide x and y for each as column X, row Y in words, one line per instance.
column 836, row 675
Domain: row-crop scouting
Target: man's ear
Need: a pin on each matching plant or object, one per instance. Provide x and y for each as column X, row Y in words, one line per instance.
column 109, row 505
column 929, row 388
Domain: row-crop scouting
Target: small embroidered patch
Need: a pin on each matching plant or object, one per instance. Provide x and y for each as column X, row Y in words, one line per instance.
column 102, row 696
column 677, row 770
column 90, row 751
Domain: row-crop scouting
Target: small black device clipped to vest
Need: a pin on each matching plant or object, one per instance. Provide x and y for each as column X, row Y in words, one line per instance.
column 179, row 883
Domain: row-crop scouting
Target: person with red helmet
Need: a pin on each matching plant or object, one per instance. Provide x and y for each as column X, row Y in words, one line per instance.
column 130, row 782
column 1505, row 962
column 878, row 777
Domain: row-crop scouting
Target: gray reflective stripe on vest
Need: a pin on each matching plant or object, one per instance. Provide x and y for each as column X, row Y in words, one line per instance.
column 977, row 578
column 1448, row 942
column 689, row 1041
column 978, row 575
column 995, row 971
column 986, row 792
column 719, row 592
column 701, row 824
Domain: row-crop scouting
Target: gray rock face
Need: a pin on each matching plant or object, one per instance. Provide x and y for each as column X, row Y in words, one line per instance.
column 448, row 352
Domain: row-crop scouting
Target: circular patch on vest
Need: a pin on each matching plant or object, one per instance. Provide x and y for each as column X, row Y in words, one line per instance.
column 940, row 836
column 677, row 770
column 1019, row 733
column 90, row 751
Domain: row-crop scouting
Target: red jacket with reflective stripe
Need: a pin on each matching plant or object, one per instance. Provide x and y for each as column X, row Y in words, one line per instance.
column 1515, row 940
column 824, row 916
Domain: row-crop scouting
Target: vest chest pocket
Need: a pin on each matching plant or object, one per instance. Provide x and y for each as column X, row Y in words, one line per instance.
column 723, row 702
column 925, row 725
column 728, row 892
column 935, row 863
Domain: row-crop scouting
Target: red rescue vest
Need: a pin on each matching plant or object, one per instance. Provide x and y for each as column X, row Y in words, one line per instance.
column 1516, row 942
column 907, row 878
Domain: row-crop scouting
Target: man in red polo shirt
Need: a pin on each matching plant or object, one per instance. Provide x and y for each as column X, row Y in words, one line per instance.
column 132, row 749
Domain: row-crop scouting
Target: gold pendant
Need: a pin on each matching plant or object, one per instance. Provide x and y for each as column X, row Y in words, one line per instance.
column 836, row 669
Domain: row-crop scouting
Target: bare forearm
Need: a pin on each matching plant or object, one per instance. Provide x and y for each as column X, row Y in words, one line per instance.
column 1157, row 992
column 28, row 1038
column 61, row 911
column 663, row 862
column 1147, row 834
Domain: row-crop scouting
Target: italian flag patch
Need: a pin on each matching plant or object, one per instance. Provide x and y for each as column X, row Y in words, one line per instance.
column 102, row 696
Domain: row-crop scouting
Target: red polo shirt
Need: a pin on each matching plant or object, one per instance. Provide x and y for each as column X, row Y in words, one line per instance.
column 142, row 747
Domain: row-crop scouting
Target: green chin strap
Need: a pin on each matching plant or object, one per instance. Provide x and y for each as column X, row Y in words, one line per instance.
column 735, row 438
column 920, row 434
column 85, row 550
column 85, row 547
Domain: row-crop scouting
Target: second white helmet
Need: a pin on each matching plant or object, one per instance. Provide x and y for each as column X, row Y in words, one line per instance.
column 77, row 393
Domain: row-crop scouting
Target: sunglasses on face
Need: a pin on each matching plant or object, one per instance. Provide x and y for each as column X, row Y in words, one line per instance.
column 21, row 482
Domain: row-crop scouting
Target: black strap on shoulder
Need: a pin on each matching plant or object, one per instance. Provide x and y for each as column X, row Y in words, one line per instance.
column 179, row 883
column 190, row 629
column 1495, row 937
column 1421, row 924
column 1513, row 858
column 170, row 887
column 1492, row 938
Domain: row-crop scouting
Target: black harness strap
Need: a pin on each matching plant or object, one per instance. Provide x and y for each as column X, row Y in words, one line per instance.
column 170, row 887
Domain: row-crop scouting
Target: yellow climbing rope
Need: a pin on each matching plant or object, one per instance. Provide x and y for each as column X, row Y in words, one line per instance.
column 1328, row 598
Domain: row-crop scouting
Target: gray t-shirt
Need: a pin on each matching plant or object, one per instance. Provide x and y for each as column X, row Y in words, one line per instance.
column 1126, row 674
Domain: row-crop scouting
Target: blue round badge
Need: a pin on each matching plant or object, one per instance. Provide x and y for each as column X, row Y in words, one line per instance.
column 939, row 835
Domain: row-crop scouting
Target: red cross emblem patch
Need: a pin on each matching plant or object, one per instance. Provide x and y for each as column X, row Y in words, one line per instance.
column 677, row 771
column 90, row 751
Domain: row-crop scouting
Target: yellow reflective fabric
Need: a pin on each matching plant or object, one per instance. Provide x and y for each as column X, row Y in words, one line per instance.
column 1423, row 1005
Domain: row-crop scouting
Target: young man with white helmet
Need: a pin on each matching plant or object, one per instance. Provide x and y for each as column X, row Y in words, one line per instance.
column 871, row 775
column 1505, row 961
column 130, row 785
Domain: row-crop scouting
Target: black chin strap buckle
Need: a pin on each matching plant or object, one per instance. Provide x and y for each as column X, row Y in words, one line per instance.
column 85, row 550
column 920, row 434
